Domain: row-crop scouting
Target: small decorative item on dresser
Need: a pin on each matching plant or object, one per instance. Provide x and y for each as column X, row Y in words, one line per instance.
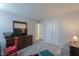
column 7, row 34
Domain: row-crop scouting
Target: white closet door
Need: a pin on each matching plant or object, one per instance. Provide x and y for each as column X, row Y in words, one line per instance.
column 49, row 31
column 43, row 30
column 52, row 32
column 55, row 33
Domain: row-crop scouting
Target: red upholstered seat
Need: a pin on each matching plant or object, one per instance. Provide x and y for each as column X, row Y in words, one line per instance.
column 12, row 49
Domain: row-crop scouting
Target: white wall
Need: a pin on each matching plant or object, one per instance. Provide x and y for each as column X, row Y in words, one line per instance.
column 60, row 29
column 6, row 24
column 70, row 26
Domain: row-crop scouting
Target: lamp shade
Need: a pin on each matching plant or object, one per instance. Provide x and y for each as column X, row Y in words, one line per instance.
column 75, row 38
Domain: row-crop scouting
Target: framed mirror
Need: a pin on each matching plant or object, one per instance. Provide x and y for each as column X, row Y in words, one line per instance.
column 19, row 28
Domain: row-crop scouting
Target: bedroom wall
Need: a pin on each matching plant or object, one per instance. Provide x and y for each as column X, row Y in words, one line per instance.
column 60, row 29
column 6, row 24
column 69, row 27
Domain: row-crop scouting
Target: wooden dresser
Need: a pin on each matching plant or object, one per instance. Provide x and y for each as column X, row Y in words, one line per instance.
column 74, row 47
column 24, row 41
column 74, row 51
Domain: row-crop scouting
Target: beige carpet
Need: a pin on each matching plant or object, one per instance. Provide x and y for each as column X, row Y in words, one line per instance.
column 40, row 46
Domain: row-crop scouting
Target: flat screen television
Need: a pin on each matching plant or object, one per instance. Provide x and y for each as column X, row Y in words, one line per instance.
column 19, row 32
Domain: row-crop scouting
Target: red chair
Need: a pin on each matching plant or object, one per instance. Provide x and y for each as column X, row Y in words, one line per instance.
column 12, row 49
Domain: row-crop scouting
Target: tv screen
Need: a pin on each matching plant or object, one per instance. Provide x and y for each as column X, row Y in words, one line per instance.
column 17, row 31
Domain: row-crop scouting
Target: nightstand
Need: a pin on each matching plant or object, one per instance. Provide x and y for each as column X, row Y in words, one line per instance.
column 74, row 51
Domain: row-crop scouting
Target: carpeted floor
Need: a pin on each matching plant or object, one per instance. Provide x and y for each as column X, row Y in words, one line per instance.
column 40, row 46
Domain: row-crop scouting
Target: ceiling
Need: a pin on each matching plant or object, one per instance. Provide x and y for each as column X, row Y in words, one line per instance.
column 39, row 10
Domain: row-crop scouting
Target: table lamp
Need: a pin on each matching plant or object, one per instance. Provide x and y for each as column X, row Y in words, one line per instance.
column 76, row 41
column 75, row 38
